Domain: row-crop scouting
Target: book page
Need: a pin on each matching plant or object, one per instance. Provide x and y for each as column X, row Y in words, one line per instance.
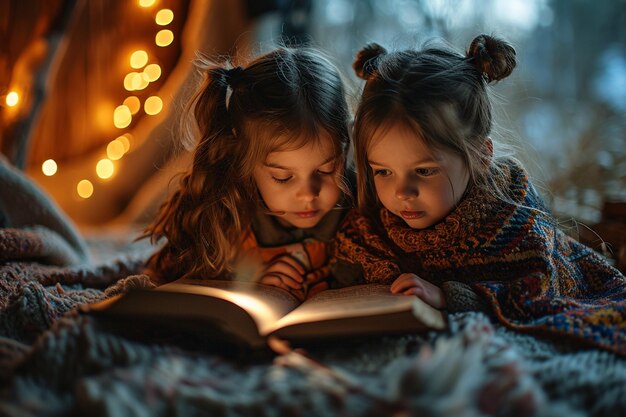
column 265, row 304
column 360, row 301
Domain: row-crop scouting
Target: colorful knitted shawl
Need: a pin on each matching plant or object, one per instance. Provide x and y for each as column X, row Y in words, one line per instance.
column 535, row 278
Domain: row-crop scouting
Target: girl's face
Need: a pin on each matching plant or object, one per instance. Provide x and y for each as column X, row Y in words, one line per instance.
column 418, row 184
column 299, row 185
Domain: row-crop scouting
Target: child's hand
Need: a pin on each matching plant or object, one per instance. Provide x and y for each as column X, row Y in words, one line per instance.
column 411, row 284
column 285, row 272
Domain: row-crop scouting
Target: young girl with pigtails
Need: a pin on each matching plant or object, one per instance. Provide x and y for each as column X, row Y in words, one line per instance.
column 446, row 216
column 268, row 174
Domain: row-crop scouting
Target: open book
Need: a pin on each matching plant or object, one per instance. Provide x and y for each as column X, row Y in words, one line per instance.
column 248, row 313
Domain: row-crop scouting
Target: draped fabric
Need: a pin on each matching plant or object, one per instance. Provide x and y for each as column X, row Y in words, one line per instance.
column 534, row 277
column 267, row 239
column 310, row 253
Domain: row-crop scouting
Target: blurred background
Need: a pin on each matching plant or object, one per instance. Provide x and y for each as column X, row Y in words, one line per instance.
column 91, row 90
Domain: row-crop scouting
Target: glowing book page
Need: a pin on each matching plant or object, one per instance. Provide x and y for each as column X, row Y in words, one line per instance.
column 265, row 304
column 227, row 310
column 366, row 309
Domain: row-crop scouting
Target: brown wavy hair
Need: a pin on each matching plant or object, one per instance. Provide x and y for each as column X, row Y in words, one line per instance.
column 281, row 100
column 442, row 96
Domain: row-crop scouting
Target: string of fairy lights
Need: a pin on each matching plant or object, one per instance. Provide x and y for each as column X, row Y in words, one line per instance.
column 142, row 73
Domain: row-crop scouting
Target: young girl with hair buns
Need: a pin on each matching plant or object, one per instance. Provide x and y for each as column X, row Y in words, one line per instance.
column 446, row 216
column 267, row 179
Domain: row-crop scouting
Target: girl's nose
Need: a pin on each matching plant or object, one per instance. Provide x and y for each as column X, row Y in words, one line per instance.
column 309, row 191
column 406, row 191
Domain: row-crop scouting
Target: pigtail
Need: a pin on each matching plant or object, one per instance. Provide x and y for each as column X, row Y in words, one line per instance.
column 494, row 58
column 366, row 62
column 202, row 221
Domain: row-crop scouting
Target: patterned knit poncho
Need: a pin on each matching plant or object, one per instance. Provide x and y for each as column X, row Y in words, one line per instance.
column 534, row 277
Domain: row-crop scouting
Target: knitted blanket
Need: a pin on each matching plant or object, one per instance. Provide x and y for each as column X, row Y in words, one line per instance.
column 535, row 278
column 32, row 218
column 33, row 295
column 54, row 362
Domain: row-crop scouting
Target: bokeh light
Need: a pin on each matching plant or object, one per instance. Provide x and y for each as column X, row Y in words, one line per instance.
column 115, row 150
column 122, row 117
column 153, row 105
column 131, row 80
column 12, row 99
column 146, row 3
column 164, row 37
column 164, row 17
column 49, row 167
column 105, row 168
column 133, row 104
column 139, row 59
column 125, row 139
column 84, row 188
column 152, row 71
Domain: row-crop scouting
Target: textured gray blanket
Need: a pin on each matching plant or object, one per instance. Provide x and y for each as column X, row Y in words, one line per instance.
column 55, row 362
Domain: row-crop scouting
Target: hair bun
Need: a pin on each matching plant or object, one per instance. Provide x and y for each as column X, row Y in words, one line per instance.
column 366, row 61
column 235, row 76
column 493, row 57
column 231, row 77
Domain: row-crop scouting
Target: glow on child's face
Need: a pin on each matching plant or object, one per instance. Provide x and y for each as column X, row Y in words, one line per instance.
column 418, row 184
column 300, row 185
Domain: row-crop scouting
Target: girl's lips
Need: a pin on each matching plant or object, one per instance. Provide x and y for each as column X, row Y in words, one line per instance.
column 412, row 214
column 306, row 214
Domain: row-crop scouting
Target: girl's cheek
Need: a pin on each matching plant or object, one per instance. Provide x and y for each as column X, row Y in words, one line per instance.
column 335, row 191
column 381, row 185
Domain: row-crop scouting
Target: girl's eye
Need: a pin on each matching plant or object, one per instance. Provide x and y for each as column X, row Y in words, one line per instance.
column 382, row 172
column 326, row 172
column 281, row 180
column 426, row 172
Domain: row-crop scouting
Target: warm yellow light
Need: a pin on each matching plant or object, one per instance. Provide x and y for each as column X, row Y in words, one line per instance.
column 164, row 17
column 139, row 82
column 105, row 168
column 135, row 81
column 131, row 80
column 133, row 104
column 122, row 117
column 125, row 139
column 115, row 150
column 146, row 3
column 164, row 37
column 152, row 71
column 49, row 167
column 153, row 105
column 85, row 188
column 12, row 99
column 139, row 59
